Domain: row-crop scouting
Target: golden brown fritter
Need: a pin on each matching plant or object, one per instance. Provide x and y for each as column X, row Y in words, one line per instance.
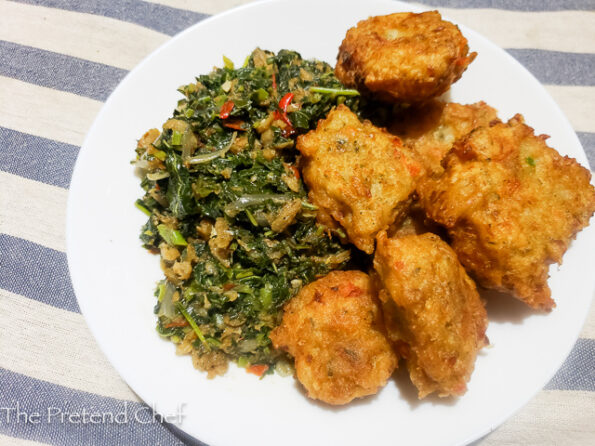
column 431, row 129
column 511, row 205
column 334, row 330
column 359, row 176
column 403, row 57
column 432, row 311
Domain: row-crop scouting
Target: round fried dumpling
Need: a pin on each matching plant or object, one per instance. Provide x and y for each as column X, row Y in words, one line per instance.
column 334, row 330
column 403, row 57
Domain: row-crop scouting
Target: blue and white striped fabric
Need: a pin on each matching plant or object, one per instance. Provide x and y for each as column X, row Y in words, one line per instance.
column 59, row 60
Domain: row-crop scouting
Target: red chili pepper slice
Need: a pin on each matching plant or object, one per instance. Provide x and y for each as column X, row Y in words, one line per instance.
column 286, row 120
column 176, row 324
column 226, row 109
column 283, row 117
column 236, row 125
column 257, row 369
column 285, row 101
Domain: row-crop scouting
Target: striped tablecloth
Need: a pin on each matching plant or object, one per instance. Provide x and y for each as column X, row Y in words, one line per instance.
column 59, row 61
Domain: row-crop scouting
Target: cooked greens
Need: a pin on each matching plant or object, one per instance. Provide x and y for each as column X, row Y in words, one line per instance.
column 227, row 209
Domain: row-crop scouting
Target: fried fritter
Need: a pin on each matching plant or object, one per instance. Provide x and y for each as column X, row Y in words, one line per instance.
column 511, row 206
column 361, row 177
column 403, row 57
column 431, row 129
column 432, row 311
column 334, row 330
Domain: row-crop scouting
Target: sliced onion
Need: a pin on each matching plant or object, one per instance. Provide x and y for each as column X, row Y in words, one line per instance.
column 186, row 149
column 167, row 307
column 284, row 368
column 261, row 218
column 248, row 345
column 189, row 143
column 159, row 175
column 235, row 207
column 206, row 157
column 142, row 164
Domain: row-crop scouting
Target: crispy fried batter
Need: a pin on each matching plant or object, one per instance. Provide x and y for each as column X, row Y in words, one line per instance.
column 431, row 129
column 360, row 176
column 432, row 311
column 333, row 328
column 511, row 205
column 403, row 57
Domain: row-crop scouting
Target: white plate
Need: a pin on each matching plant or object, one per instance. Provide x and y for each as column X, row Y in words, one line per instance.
column 114, row 277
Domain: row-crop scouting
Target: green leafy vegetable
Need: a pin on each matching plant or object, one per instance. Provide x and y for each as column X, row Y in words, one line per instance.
column 221, row 172
column 335, row 91
column 193, row 324
column 179, row 188
column 144, row 210
column 171, row 236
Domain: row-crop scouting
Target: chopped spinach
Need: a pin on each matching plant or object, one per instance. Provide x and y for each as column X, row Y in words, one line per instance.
column 227, row 209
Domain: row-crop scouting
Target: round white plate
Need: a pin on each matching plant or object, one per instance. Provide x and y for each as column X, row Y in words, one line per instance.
column 114, row 277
